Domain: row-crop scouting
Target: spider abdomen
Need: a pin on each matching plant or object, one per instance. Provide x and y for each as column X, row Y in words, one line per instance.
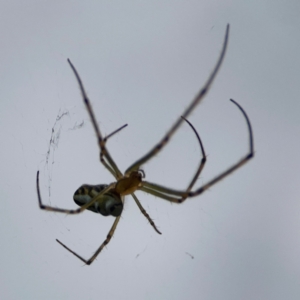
column 108, row 204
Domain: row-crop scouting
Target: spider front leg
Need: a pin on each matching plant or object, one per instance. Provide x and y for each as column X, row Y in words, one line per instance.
column 158, row 191
column 199, row 97
column 179, row 196
column 202, row 162
column 239, row 164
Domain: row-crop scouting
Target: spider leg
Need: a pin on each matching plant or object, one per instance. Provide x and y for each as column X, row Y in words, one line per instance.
column 147, row 185
column 158, row 190
column 179, row 196
column 107, row 240
column 110, row 164
column 114, row 132
column 191, row 107
column 176, row 195
column 112, row 171
column 143, row 211
column 235, row 166
column 202, row 163
column 68, row 211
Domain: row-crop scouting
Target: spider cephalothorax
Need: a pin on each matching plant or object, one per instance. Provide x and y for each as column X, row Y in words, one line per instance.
column 129, row 183
column 107, row 199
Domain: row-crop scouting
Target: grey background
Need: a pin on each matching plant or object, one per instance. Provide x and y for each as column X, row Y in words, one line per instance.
column 142, row 62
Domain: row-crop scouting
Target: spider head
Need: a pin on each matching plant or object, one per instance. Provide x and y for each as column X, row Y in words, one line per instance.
column 108, row 204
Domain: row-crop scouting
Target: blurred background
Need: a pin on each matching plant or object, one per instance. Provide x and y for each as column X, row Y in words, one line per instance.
column 142, row 62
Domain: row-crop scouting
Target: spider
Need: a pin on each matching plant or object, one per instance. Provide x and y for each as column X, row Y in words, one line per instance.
column 108, row 199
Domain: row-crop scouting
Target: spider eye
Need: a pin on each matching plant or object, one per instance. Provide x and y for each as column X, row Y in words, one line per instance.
column 142, row 173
